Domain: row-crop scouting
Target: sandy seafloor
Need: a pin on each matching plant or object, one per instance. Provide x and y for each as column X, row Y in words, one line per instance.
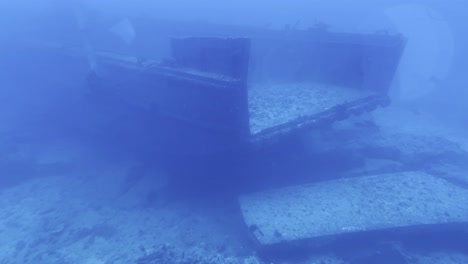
column 80, row 208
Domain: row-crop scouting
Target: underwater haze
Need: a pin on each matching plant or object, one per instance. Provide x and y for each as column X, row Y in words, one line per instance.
column 240, row 132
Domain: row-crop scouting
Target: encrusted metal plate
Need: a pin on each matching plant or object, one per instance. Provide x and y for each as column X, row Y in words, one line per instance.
column 350, row 205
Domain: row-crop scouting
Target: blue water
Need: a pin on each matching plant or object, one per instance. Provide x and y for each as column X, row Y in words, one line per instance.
column 105, row 161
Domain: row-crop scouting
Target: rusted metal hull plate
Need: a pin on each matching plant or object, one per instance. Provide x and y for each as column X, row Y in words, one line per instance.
column 337, row 207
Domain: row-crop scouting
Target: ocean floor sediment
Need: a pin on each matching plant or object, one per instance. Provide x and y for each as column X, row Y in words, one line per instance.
column 98, row 213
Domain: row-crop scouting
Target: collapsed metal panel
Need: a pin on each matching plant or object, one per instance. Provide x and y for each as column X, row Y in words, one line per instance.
column 275, row 105
column 196, row 105
column 265, row 135
column 337, row 207
column 191, row 104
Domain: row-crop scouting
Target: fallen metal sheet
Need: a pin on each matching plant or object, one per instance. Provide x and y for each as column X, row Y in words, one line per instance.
column 351, row 205
column 274, row 105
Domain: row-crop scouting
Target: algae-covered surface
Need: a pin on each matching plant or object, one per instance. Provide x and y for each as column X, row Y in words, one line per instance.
column 359, row 204
column 276, row 104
